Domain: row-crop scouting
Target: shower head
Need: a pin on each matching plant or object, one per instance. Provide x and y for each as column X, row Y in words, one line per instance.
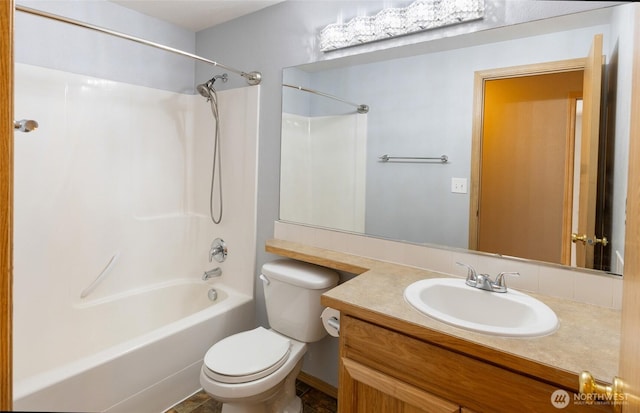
column 205, row 88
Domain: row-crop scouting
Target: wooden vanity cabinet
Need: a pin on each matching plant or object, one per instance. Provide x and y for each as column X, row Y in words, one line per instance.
column 384, row 371
column 364, row 389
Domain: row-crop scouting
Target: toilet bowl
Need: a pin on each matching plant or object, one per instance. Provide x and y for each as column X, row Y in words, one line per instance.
column 247, row 386
column 255, row 371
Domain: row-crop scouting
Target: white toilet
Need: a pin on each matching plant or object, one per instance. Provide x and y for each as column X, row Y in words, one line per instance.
column 255, row 371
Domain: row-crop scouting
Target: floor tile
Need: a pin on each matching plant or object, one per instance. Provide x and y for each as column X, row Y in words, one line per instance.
column 313, row 401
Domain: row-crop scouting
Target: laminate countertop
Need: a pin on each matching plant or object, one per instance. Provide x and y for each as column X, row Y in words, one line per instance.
column 588, row 337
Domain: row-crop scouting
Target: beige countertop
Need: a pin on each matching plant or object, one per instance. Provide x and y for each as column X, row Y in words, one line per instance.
column 588, row 337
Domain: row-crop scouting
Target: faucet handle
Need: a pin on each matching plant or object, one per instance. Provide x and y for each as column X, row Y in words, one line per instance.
column 218, row 250
column 472, row 276
column 500, row 284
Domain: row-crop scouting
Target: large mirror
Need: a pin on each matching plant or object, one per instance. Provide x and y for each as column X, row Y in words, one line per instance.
column 407, row 169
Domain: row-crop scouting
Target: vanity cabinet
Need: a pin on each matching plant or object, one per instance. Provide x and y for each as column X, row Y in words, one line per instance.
column 386, row 371
column 393, row 359
column 364, row 389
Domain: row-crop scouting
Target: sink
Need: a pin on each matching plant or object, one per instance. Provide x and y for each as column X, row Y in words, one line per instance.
column 510, row 314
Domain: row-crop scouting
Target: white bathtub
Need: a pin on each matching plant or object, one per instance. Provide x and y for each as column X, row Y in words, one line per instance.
column 130, row 360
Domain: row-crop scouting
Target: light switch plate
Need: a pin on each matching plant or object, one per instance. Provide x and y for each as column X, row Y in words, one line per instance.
column 459, row 185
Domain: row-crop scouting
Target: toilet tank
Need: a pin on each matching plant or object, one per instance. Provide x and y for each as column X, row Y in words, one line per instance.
column 292, row 291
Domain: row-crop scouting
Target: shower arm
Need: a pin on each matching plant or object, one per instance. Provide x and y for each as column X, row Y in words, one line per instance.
column 253, row 78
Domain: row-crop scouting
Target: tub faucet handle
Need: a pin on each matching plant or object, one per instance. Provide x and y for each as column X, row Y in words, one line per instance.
column 218, row 250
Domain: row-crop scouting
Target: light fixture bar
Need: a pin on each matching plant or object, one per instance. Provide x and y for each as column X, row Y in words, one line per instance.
column 419, row 16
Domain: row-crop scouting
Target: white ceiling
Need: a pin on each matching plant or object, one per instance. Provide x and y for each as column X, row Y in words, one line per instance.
column 196, row 14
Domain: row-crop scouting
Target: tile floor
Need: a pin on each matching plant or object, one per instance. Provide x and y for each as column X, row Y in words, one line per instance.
column 313, row 401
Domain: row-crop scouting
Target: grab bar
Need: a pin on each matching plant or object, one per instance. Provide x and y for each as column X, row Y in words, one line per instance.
column 387, row 158
column 100, row 277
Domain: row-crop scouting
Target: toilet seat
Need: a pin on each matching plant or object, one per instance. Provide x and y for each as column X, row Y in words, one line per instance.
column 246, row 356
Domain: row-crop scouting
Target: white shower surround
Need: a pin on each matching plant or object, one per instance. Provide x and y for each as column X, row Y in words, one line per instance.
column 320, row 185
column 118, row 169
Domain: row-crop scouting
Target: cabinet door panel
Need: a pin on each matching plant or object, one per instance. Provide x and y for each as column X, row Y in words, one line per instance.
column 369, row 399
column 440, row 373
column 376, row 392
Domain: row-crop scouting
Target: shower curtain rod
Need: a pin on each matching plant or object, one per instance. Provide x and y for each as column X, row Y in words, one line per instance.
column 361, row 108
column 253, row 78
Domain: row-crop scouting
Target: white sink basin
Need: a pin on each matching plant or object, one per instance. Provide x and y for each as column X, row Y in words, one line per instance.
column 510, row 314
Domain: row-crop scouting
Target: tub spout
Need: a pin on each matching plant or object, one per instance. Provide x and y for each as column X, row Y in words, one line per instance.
column 216, row 272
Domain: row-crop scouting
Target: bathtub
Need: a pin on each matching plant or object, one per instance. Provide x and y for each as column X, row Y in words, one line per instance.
column 130, row 360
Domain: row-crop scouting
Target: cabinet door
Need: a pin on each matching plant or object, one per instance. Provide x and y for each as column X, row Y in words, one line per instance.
column 370, row 391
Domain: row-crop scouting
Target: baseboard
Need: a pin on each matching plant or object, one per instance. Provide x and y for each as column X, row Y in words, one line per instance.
column 318, row 384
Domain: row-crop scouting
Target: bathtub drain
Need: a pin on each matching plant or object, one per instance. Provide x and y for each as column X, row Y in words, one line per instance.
column 213, row 294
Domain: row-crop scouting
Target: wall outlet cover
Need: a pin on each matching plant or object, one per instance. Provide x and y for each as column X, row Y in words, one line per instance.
column 459, row 185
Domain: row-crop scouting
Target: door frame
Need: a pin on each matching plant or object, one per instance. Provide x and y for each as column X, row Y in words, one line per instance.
column 6, row 203
column 480, row 78
column 629, row 368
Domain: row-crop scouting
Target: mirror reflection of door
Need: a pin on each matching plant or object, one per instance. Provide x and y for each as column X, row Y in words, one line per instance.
column 589, row 157
column 528, row 195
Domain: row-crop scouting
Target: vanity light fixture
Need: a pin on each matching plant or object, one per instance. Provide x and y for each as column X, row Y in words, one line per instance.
column 391, row 22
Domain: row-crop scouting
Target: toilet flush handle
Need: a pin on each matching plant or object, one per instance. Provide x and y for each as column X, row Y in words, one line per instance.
column 264, row 279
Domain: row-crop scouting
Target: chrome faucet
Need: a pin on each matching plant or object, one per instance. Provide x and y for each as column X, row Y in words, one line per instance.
column 484, row 282
column 472, row 276
column 218, row 250
column 216, row 272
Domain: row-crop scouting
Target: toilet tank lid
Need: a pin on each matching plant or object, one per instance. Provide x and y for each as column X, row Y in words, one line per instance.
column 301, row 274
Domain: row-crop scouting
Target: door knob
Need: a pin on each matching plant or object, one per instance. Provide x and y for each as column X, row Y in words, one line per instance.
column 575, row 238
column 586, row 240
column 604, row 241
column 594, row 392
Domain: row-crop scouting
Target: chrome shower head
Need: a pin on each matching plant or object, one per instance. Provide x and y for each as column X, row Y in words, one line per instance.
column 204, row 90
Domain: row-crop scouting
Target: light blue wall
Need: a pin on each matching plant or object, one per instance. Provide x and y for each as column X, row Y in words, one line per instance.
column 286, row 35
column 56, row 45
column 422, row 106
column 296, row 101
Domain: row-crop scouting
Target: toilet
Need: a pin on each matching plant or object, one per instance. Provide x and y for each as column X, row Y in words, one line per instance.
column 255, row 371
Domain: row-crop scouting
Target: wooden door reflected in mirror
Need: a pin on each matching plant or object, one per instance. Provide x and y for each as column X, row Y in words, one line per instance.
column 534, row 169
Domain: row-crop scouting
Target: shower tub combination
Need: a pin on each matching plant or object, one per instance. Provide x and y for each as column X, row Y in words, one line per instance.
column 132, row 339
column 145, row 355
